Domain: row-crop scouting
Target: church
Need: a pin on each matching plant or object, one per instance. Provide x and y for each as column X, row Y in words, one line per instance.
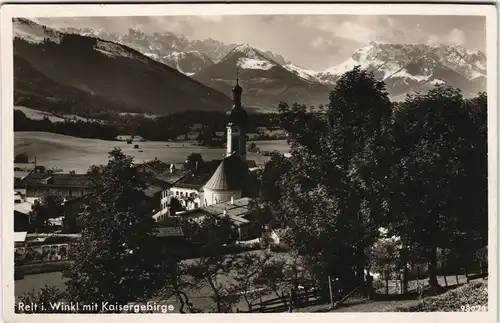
column 231, row 183
column 226, row 192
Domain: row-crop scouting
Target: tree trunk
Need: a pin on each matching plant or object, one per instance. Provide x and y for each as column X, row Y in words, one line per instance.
column 360, row 269
column 433, row 281
column 387, row 284
column 216, row 295
column 405, row 278
column 360, row 255
column 369, row 284
column 443, row 270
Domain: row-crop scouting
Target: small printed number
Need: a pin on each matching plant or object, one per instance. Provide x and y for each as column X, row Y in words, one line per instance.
column 473, row 308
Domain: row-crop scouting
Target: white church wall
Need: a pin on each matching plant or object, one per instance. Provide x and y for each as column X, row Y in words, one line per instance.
column 213, row 197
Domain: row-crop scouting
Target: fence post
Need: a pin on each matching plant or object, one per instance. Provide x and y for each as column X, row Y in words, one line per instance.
column 331, row 291
column 418, row 275
column 444, row 275
column 456, row 277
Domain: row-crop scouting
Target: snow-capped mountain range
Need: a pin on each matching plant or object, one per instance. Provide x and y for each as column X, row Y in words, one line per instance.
column 404, row 67
column 173, row 50
column 267, row 77
column 410, row 67
column 265, row 81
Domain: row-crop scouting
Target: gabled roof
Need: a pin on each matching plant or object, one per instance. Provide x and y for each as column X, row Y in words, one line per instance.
column 230, row 175
column 174, row 176
column 193, row 181
column 154, row 185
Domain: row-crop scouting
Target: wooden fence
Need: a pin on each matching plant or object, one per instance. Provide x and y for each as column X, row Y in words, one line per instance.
column 284, row 303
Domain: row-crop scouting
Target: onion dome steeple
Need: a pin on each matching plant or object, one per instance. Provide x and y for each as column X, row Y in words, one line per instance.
column 237, row 115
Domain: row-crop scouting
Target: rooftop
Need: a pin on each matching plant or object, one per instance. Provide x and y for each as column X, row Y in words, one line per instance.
column 230, row 175
column 193, row 181
column 20, row 236
column 19, row 174
column 56, row 179
column 174, row 176
column 154, row 185
column 236, row 211
column 25, row 206
column 170, row 231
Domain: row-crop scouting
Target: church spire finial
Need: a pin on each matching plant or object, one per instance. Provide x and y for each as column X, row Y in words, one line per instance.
column 237, row 75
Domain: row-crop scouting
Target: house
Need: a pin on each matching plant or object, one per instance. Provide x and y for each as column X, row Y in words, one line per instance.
column 189, row 190
column 170, row 227
column 21, row 170
column 129, row 138
column 154, row 192
column 240, row 212
column 20, row 239
column 22, row 209
column 40, row 182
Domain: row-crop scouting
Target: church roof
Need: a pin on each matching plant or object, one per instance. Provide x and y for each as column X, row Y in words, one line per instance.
column 230, row 175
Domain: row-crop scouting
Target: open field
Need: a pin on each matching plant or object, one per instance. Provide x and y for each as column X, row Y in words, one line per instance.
column 71, row 153
column 39, row 115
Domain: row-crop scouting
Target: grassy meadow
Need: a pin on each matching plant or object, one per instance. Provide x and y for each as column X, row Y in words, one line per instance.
column 71, row 153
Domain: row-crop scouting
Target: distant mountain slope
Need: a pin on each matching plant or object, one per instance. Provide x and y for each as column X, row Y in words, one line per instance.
column 407, row 68
column 109, row 71
column 33, row 89
column 174, row 50
column 265, row 82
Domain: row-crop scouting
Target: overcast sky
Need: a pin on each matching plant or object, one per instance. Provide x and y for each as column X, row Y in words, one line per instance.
column 315, row 42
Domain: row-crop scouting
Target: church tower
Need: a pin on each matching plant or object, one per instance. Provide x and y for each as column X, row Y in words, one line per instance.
column 237, row 119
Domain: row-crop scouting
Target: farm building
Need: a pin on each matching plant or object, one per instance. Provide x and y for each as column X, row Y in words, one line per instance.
column 39, row 183
column 130, row 138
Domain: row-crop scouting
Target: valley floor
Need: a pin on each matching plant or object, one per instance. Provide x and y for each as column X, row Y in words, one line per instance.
column 78, row 154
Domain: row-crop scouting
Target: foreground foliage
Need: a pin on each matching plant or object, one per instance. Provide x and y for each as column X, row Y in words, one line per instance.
column 473, row 294
column 115, row 259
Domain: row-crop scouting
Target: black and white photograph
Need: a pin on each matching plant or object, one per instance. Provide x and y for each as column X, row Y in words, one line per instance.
column 194, row 159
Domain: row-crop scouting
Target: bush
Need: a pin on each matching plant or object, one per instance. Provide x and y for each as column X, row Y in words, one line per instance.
column 474, row 294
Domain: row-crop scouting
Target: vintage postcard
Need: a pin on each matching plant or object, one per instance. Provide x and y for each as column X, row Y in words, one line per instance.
column 275, row 159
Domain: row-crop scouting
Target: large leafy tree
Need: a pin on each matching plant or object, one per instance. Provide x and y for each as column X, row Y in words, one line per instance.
column 115, row 260
column 274, row 168
column 438, row 177
column 332, row 193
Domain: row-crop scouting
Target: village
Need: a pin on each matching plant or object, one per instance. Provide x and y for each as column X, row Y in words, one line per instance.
column 158, row 173
column 175, row 194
